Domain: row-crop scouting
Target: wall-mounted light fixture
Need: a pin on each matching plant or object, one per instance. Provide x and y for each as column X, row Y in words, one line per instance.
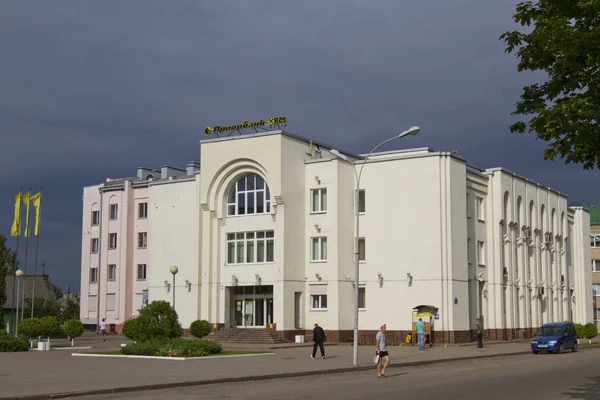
column 188, row 285
column 257, row 279
column 317, row 227
column 318, row 276
column 318, row 179
column 409, row 277
column 380, row 279
column 167, row 285
column 480, row 277
column 234, row 280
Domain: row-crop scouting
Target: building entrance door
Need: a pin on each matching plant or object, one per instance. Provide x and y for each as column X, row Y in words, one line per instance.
column 253, row 306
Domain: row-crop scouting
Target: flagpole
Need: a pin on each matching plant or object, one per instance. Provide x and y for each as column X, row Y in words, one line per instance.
column 15, row 294
column 36, row 232
column 26, row 251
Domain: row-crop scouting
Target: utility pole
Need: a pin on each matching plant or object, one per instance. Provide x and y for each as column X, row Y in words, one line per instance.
column 43, row 267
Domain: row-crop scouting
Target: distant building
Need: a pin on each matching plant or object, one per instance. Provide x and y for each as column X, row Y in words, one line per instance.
column 43, row 290
column 263, row 236
column 595, row 250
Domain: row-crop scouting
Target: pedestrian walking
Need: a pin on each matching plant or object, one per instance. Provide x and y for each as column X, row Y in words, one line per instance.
column 382, row 352
column 103, row 329
column 421, row 333
column 318, row 339
column 479, row 333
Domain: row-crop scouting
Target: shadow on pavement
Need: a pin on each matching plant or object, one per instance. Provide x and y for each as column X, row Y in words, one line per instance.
column 590, row 390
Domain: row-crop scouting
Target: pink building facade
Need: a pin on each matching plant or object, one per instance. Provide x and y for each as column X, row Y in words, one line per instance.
column 114, row 256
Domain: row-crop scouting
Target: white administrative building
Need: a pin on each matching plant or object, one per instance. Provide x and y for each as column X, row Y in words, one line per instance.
column 262, row 233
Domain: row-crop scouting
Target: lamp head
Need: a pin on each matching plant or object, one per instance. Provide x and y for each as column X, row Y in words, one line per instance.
column 411, row 131
column 19, row 273
column 174, row 269
column 339, row 155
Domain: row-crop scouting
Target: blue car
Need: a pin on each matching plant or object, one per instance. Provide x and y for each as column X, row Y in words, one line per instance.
column 555, row 337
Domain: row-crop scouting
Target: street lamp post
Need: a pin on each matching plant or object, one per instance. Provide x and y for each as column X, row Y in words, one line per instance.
column 412, row 131
column 18, row 275
column 174, row 271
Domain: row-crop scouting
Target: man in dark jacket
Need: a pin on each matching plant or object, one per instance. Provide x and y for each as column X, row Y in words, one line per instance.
column 479, row 333
column 318, row 339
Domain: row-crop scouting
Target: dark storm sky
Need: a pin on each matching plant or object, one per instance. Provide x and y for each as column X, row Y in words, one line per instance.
column 94, row 89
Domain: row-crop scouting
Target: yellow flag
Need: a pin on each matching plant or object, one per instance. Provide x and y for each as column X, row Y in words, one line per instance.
column 36, row 200
column 15, row 230
column 25, row 198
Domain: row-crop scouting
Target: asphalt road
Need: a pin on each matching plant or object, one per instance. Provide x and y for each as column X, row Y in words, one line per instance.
column 527, row 377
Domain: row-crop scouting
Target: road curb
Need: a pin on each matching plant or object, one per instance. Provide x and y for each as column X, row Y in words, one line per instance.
column 160, row 386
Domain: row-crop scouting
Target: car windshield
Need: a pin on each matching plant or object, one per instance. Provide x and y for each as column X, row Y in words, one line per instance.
column 550, row 331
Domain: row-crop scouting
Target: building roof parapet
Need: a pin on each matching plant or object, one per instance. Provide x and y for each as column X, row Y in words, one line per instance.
column 491, row 171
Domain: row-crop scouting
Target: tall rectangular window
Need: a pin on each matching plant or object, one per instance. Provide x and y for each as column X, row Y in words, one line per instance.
column 141, row 272
column 480, row 209
column 112, row 241
column 362, row 300
column 469, row 257
column 361, row 202
column 94, row 275
column 95, row 218
column 112, row 272
column 468, row 202
column 362, row 249
column 92, row 303
column 595, row 265
column 94, row 246
column 480, row 253
column 143, row 210
column 595, row 242
column 114, row 211
column 318, row 200
column 251, row 247
column 110, row 301
column 318, row 248
column 142, row 240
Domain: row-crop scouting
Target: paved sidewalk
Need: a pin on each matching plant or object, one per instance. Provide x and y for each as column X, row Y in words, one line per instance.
column 57, row 372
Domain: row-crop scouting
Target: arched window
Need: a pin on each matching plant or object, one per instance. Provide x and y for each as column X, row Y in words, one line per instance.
column 249, row 195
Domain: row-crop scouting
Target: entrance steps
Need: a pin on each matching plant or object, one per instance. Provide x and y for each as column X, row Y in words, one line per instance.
column 246, row 335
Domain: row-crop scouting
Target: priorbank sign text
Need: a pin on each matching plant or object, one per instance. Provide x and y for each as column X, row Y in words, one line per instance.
column 245, row 125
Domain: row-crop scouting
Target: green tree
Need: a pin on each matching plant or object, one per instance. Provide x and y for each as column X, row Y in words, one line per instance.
column 200, row 328
column 590, row 331
column 565, row 44
column 73, row 329
column 7, row 260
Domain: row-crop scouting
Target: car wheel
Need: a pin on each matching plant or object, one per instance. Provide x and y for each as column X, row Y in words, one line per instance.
column 561, row 349
column 575, row 348
column 535, row 352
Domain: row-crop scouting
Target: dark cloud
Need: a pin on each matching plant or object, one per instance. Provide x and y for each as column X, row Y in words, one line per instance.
column 94, row 89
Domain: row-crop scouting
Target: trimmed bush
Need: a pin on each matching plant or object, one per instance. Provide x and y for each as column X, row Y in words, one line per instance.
column 73, row 328
column 157, row 321
column 580, row 331
column 174, row 347
column 9, row 343
column 590, row 330
column 200, row 328
column 30, row 328
column 49, row 326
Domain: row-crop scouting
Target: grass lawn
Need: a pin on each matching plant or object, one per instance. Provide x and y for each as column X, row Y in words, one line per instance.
column 223, row 353
column 589, row 345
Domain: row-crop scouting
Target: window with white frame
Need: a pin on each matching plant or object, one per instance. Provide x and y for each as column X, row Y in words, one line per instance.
column 110, row 301
column 362, row 302
column 597, row 314
column 93, row 275
column 251, row 247
column 249, row 195
column 142, row 240
column 480, row 208
column 596, row 290
column 318, row 297
column 112, row 272
column 480, row 252
column 318, row 247
column 95, row 218
column 92, row 303
column 114, row 211
column 141, row 272
column 94, row 246
column 362, row 249
column 361, row 202
column 142, row 210
column 595, row 241
column 595, row 265
column 112, row 241
column 318, row 200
